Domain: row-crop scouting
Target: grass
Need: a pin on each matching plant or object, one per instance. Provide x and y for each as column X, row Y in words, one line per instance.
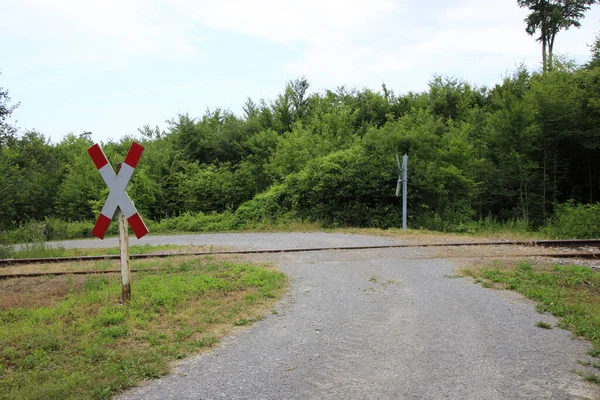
column 543, row 325
column 570, row 292
column 82, row 344
column 44, row 251
column 592, row 378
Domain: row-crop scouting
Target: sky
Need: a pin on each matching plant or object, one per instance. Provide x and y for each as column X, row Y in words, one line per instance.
column 111, row 66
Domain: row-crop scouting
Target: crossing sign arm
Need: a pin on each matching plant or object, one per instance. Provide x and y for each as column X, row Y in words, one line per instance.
column 117, row 183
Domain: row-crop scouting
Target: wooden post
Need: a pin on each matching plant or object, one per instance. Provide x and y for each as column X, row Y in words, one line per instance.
column 125, row 268
column 124, row 251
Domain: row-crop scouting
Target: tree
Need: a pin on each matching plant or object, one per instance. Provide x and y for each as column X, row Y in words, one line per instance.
column 595, row 50
column 7, row 131
column 300, row 102
column 548, row 17
column 250, row 109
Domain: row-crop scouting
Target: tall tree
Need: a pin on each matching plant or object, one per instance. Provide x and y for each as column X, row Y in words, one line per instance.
column 300, row 101
column 548, row 17
column 595, row 50
column 250, row 109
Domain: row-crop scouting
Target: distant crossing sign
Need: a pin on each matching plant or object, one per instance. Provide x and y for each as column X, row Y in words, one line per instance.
column 117, row 183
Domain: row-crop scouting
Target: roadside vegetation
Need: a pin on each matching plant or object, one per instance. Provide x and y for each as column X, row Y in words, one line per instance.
column 580, row 221
column 570, row 292
column 69, row 338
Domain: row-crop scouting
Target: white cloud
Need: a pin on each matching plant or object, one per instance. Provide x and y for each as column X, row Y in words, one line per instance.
column 366, row 40
column 339, row 40
column 107, row 31
column 287, row 21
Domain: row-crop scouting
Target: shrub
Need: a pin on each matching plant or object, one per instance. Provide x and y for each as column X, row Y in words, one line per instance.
column 574, row 221
column 194, row 222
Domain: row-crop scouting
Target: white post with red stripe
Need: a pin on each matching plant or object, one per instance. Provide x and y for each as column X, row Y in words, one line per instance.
column 118, row 198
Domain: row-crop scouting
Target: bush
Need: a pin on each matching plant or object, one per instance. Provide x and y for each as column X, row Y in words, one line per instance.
column 55, row 229
column 83, row 229
column 492, row 225
column 29, row 232
column 265, row 208
column 198, row 222
column 6, row 250
column 574, row 221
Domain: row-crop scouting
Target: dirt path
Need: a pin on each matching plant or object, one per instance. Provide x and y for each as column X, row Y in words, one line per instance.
column 381, row 324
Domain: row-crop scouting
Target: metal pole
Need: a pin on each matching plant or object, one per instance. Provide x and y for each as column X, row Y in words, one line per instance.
column 125, row 269
column 404, row 187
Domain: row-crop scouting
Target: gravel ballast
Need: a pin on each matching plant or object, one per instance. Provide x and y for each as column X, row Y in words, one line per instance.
column 379, row 324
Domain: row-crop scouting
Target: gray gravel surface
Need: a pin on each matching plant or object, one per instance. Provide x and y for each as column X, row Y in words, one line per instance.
column 379, row 324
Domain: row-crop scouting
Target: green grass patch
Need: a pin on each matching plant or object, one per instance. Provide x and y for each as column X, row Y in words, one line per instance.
column 42, row 250
column 571, row 292
column 88, row 346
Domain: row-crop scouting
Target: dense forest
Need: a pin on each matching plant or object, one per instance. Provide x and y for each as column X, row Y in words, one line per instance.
column 517, row 151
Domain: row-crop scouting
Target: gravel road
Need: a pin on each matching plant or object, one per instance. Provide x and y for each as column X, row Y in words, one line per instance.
column 378, row 324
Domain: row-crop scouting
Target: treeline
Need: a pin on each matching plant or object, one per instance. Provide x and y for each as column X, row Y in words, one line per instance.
column 512, row 152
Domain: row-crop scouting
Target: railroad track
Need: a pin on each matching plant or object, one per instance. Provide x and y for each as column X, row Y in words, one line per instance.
column 530, row 243
column 595, row 255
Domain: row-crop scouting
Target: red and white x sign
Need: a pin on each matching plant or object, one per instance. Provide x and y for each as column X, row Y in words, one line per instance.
column 117, row 183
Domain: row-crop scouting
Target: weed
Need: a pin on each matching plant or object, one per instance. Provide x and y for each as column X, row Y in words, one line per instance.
column 584, row 363
column 95, row 282
column 592, row 378
column 110, row 316
column 589, row 377
column 114, row 332
column 382, row 285
column 544, row 325
column 453, row 276
column 205, row 341
column 183, row 334
column 242, row 322
column 251, row 298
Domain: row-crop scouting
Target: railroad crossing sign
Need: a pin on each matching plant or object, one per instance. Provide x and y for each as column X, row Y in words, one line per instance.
column 117, row 183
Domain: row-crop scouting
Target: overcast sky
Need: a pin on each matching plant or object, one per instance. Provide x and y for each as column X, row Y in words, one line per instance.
column 111, row 66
